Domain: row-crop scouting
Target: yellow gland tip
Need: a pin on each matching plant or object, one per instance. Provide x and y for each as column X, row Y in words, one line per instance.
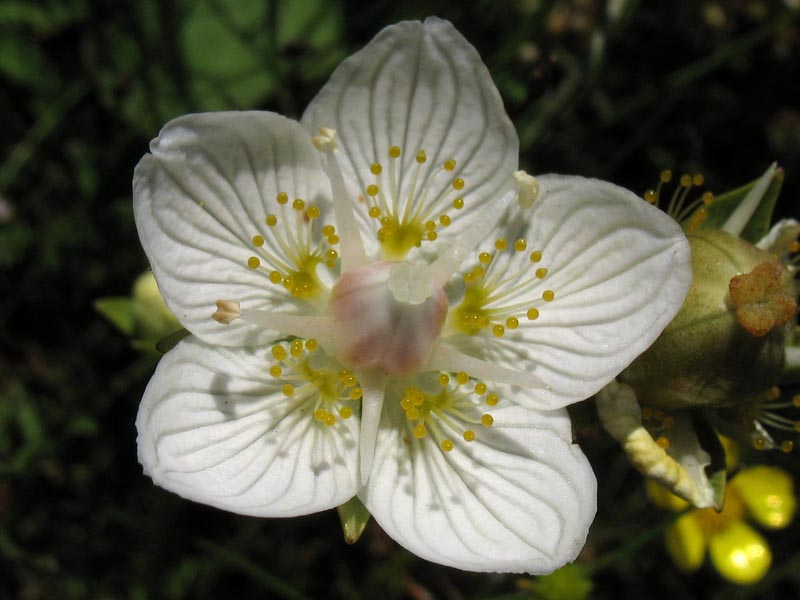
column 258, row 241
column 374, row 212
column 275, row 371
column 328, row 230
column 520, row 245
column 421, row 157
column 298, row 204
column 275, row 277
column 462, row 378
column 394, row 151
column 376, row 168
column 282, row 198
column 487, row 420
column 541, row 273
column 458, row 203
column 288, row 389
column 533, row 314
column 480, row 388
column 548, row 295
column 449, row 164
column 492, row 399
column 345, row 412
column 512, row 322
column 501, row 244
column 458, row 183
column 444, row 379
column 444, row 220
column 536, row 256
column 279, row 352
column 498, row 330
column 469, row 435
column 372, row 190
column 271, row 220
column 356, row 393
column 312, row 212
column 253, row 262
column 447, row 445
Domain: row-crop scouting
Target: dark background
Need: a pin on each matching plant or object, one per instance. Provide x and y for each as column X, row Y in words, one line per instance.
column 617, row 90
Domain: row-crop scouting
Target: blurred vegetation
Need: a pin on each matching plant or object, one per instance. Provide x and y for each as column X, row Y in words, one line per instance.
column 618, row 90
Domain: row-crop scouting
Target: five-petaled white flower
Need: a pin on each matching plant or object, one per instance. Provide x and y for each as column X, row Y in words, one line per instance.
column 401, row 315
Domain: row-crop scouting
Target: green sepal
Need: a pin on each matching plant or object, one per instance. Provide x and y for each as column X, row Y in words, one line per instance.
column 166, row 344
column 354, row 517
column 570, row 582
column 716, row 471
column 725, row 204
column 119, row 310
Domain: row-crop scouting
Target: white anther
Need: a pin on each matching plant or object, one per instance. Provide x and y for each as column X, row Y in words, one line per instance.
column 527, row 189
column 326, row 140
column 227, row 311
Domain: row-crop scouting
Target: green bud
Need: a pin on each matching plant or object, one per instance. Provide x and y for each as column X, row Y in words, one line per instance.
column 726, row 345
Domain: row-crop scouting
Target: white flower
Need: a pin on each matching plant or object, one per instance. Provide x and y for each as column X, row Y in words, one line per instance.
column 401, row 314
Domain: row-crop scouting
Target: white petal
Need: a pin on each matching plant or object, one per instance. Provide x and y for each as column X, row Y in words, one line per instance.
column 201, row 197
column 520, row 498
column 214, row 427
column 420, row 86
column 619, row 269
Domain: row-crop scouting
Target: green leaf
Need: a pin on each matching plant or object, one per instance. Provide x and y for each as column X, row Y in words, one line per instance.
column 570, row 582
column 118, row 310
column 354, row 517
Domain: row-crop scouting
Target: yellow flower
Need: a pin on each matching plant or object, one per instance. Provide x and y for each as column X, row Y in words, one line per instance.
column 761, row 494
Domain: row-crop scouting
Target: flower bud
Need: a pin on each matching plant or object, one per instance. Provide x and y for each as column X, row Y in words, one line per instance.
column 726, row 345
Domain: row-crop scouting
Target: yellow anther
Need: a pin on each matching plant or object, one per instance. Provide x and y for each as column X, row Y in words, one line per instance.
column 356, row 393
column 421, row 157
column 288, row 389
column 419, row 431
column 520, row 245
column 275, row 371
column 376, row 168
column 444, row 379
column 708, row 198
column 449, row 164
column 498, row 330
column 536, row 256
column 374, row 212
column 296, row 349
column 394, row 151
column 458, row 203
column 312, row 212
column 331, row 254
column 345, row 412
column 787, row 446
column 512, row 322
column 298, row 204
column 271, row 220
column 686, row 180
column 279, row 352
column 485, row 258
column 328, row 230
column 492, row 400
column 698, row 180
column 651, row 196
column 541, row 273
column 444, row 220
column 548, row 295
column 258, row 241
column 666, row 176
column 430, row 225
column 431, row 235
column 282, row 198
column 447, row 445
column 462, row 377
column 501, row 244
column 253, row 262
column 469, row 435
column 330, row 420
column 662, row 442
column 487, row 420
column 533, row 314
column 372, row 190
column 458, row 183
column 413, row 413
column 275, row 277
column 480, row 388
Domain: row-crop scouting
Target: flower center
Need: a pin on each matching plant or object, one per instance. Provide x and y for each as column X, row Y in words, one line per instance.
column 287, row 251
column 308, row 374
column 497, row 291
column 407, row 218
column 440, row 413
column 385, row 318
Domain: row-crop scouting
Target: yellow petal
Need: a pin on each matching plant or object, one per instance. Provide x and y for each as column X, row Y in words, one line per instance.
column 685, row 543
column 663, row 498
column 740, row 554
column 768, row 495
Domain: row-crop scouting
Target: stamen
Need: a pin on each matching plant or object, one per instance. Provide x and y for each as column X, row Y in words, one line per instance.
column 227, row 311
column 446, row 358
column 527, row 189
